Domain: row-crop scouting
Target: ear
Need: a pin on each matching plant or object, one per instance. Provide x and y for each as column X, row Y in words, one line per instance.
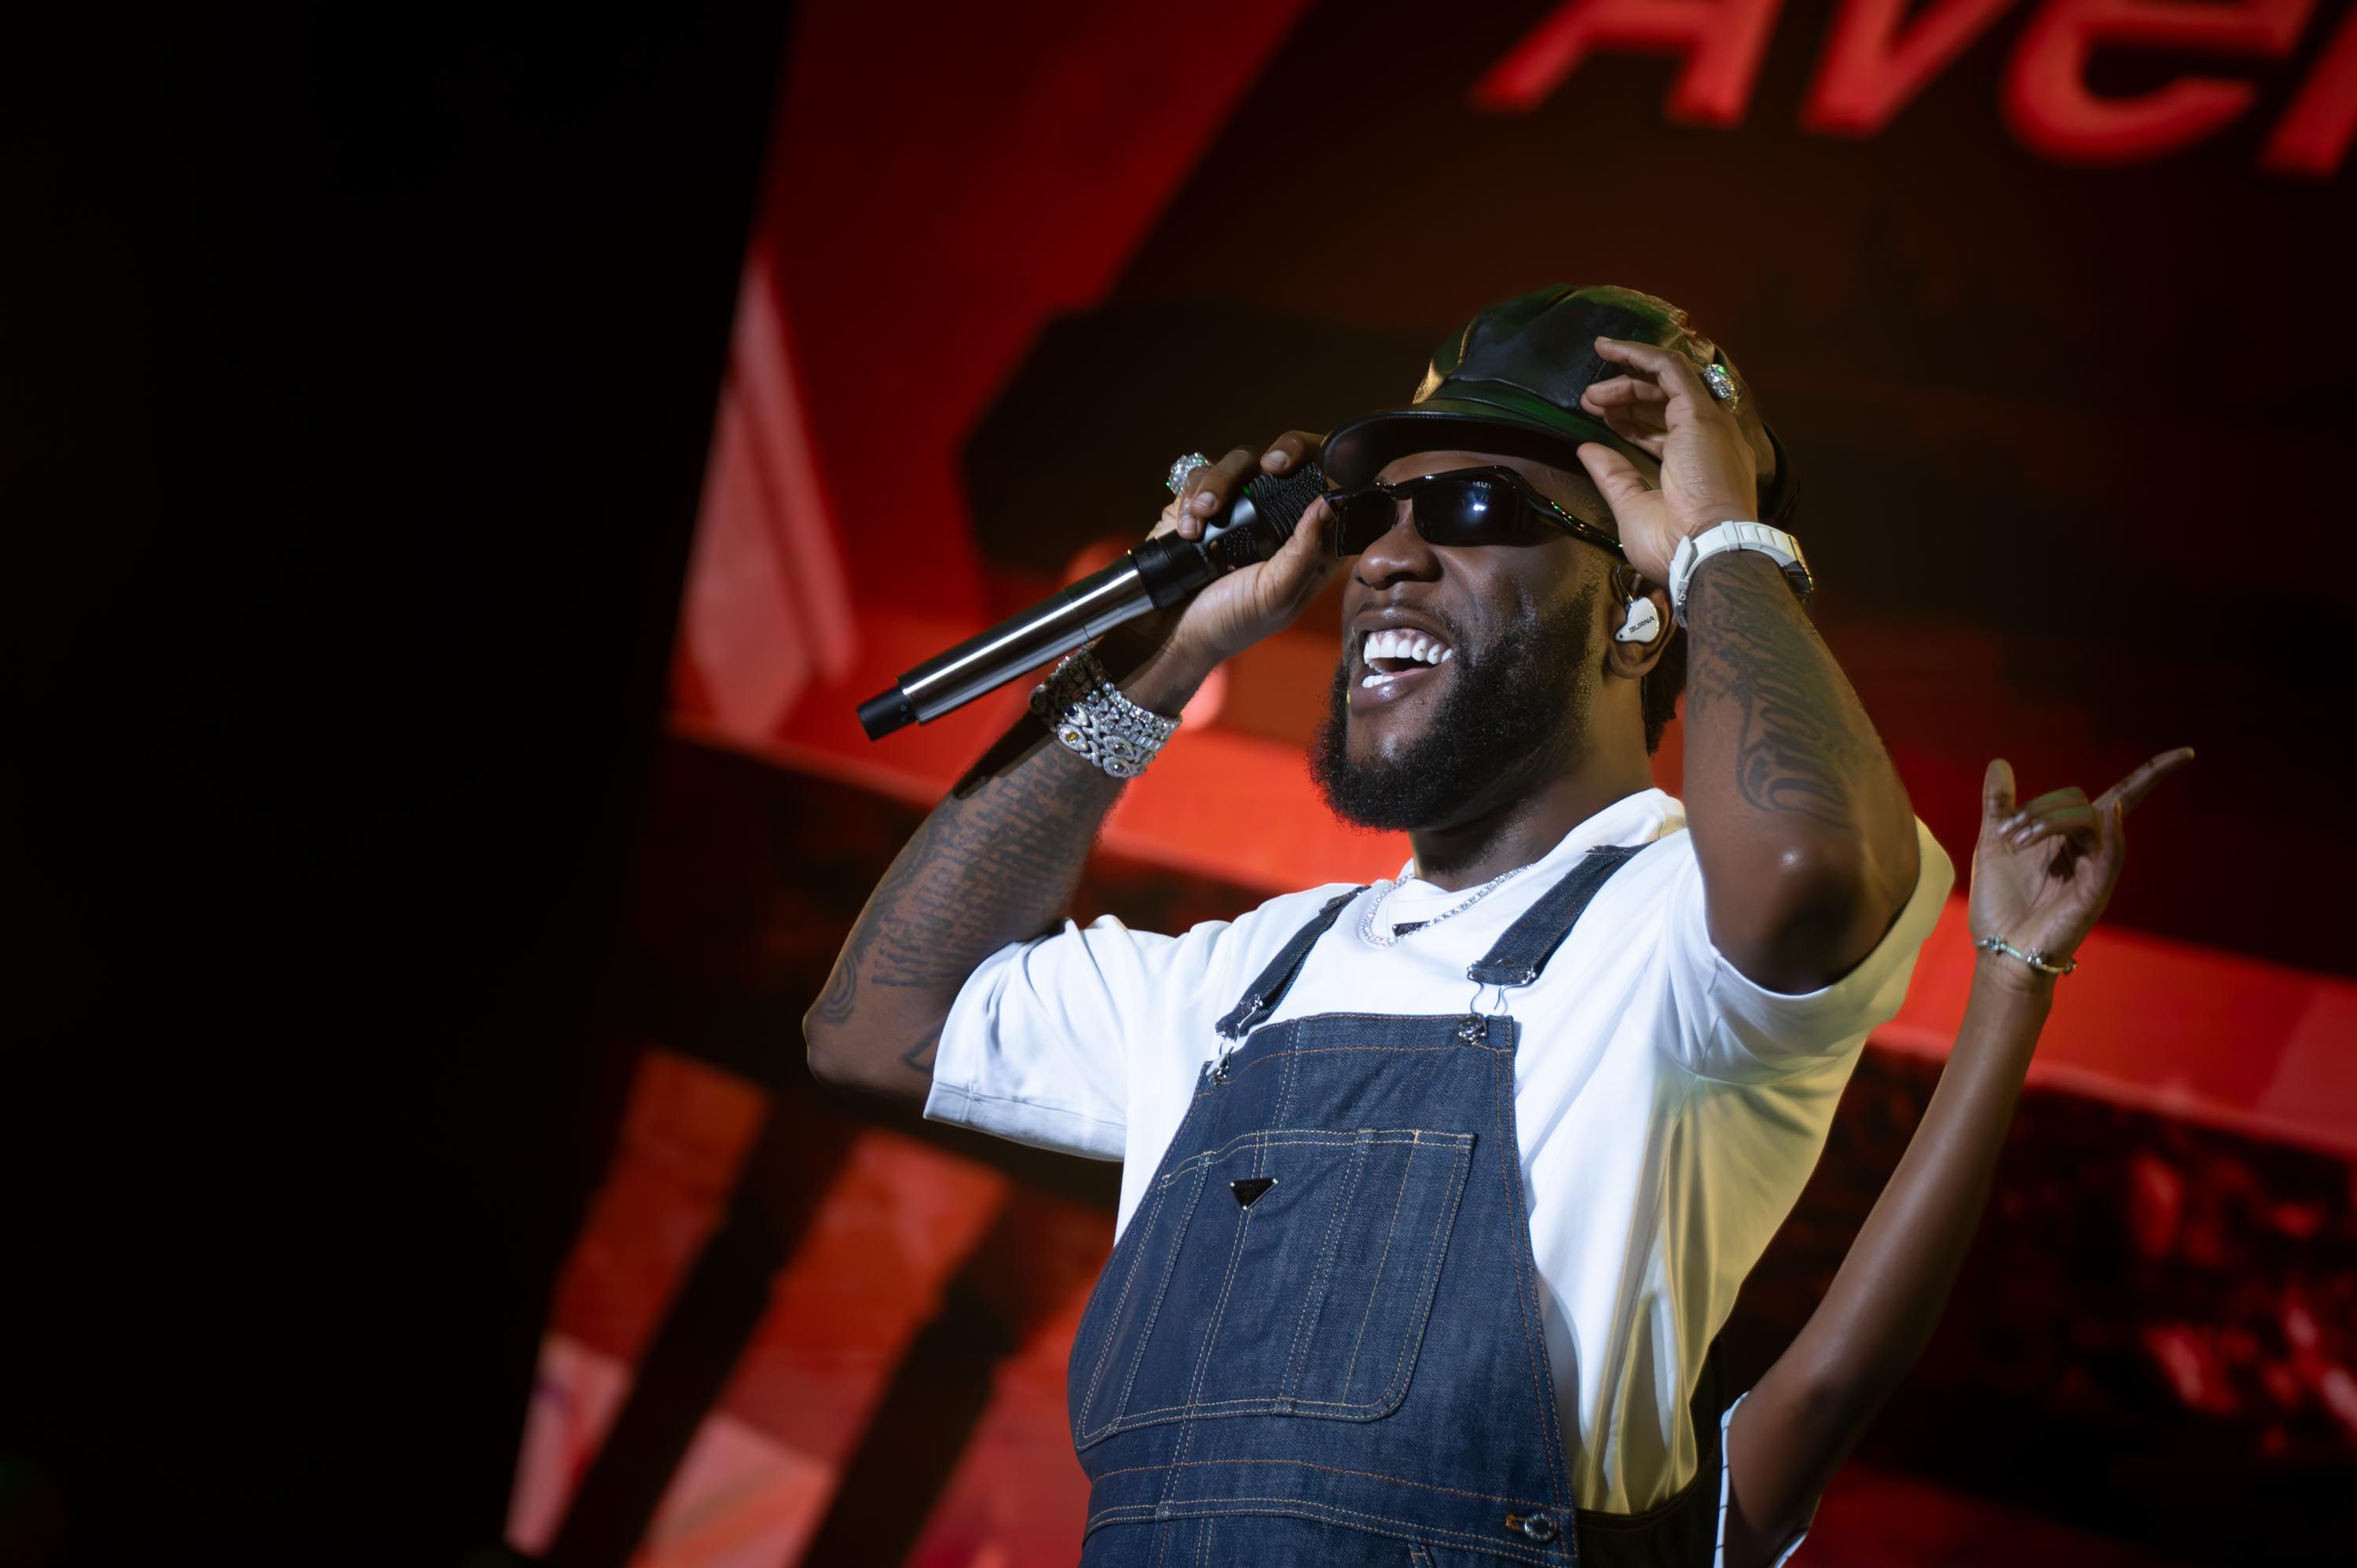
column 1641, row 610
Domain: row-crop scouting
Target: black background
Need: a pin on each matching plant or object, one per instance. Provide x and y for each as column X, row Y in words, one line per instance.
column 360, row 372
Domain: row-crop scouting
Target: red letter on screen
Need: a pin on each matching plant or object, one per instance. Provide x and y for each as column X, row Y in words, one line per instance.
column 2046, row 97
column 2314, row 131
column 1721, row 41
column 1870, row 73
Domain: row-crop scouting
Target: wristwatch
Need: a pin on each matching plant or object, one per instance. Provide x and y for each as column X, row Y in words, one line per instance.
column 1773, row 542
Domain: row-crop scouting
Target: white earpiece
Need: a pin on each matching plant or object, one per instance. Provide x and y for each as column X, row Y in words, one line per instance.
column 1642, row 622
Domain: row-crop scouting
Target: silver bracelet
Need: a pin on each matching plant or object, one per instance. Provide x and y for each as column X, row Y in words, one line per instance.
column 2035, row 958
column 1083, row 709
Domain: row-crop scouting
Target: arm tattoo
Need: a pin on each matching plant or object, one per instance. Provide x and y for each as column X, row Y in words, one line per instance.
column 919, row 1058
column 1018, row 846
column 842, row 987
column 992, row 867
column 1797, row 749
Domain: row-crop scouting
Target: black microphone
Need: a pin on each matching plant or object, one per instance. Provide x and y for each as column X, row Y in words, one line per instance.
column 1154, row 576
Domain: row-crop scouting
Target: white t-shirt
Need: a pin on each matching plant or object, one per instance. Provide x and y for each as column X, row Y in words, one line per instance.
column 1669, row 1109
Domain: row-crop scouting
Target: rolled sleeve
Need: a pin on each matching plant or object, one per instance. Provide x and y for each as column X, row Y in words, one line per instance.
column 1732, row 1029
column 1035, row 1048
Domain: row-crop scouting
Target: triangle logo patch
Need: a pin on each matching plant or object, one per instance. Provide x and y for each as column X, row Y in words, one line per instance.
column 1249, row 1190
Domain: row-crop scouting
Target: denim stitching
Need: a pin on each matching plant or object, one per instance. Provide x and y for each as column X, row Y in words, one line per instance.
column 1313, row 1137
column 1237, row 1069
column 1518, row 1248
column 1211, row 1340
column 1284, row 1084
column 1129, row 1277
column 1313, row 1300
column 1283, row 1404
column 1331, row 1470
column 1375, row 1287
column 1291, row 1508
column 1516, row 1212
column 1153, row 1315
column 1443, row 1225
column 1399, row 1050
column 1269, row 987
column 1385, row 1018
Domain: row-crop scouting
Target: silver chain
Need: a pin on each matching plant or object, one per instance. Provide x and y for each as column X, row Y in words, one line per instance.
column 1384, row 890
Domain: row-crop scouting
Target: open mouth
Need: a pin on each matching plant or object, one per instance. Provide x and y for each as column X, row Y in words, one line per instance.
column 1393, row 654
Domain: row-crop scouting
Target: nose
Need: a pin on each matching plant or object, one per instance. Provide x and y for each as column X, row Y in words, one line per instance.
column 1400, row 555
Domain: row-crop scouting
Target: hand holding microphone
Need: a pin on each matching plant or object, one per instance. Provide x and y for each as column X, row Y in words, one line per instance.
column 1257, row 599
column 1237, row 555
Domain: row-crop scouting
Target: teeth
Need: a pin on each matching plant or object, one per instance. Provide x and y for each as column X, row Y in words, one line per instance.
column 1406, row 644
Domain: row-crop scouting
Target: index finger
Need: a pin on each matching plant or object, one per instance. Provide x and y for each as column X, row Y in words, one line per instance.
column 2132, row 790
column 1209, row 488
column 1288, row 451
column 1670, row 371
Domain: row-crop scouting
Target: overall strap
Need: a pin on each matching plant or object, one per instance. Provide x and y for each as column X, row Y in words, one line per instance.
column 1277, row 978
column 1530, row 942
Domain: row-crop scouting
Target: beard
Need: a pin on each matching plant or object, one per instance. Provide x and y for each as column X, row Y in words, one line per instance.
column 1511, row 711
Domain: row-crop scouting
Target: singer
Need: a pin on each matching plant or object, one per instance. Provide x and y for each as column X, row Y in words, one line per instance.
column 1437, row 1193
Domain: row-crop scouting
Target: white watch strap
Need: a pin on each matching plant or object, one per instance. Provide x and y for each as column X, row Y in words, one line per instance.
column 1737, row 534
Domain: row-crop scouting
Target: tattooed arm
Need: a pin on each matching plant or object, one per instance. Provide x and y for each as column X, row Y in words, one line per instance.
column 997, row 862
column 2041, row 875
column 1803, row 830
column 1806, row 841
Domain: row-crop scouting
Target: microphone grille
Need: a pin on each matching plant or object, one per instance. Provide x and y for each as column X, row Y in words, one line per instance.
column 1283, row 498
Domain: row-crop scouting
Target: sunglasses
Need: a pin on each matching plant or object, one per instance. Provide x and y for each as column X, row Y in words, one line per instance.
column 1464, row 506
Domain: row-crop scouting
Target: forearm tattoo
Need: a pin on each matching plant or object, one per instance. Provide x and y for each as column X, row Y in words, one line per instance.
column 994, row 867
column 1798, row 745
column 919, row 1058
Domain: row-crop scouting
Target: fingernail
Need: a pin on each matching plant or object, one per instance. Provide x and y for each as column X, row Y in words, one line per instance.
column 1204, row 501
column 1274, row 460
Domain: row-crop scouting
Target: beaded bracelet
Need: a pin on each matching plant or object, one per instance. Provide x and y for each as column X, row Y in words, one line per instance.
column 1085, row 710
column 2035, row 958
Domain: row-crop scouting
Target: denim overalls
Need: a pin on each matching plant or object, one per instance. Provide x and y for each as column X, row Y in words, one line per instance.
column 1318, row 1341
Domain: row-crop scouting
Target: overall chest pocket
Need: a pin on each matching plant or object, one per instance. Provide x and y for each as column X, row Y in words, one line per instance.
column 1288, row 1272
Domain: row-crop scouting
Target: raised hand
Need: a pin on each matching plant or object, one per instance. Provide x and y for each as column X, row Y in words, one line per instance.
column 1709, row 472
column 1253, row 602
column 2043, row 872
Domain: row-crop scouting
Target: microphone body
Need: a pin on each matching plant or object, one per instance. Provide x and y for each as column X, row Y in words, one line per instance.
column 1160, row 572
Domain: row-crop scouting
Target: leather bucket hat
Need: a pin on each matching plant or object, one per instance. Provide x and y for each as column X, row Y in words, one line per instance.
column 1511, row 381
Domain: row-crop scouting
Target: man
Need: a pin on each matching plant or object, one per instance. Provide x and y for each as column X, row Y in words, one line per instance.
column 1435, row 1194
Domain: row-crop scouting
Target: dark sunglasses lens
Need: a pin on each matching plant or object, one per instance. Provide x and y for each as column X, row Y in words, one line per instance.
column 1473, row 509
column 1467, row 512
column 1361, row 516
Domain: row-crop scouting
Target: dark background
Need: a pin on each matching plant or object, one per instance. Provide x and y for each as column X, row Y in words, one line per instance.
column 359, row 371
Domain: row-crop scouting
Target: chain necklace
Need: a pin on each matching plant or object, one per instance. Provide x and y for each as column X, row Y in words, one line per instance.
column 1384, row 890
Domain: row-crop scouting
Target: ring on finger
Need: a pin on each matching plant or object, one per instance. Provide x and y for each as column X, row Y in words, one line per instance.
column 1182, row 470
column 1721, row 385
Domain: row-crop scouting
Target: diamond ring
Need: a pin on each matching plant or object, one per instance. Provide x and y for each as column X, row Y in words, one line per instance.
column 1183, row 469
column 1721, row 385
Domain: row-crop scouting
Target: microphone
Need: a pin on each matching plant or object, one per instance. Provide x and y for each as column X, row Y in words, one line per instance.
column 1158, row 573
